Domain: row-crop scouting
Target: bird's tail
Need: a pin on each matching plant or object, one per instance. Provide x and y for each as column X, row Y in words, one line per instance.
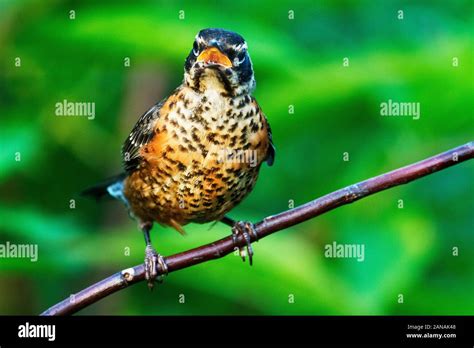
column 111, row 187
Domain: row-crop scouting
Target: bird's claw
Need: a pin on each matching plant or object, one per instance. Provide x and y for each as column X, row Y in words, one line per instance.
column 153, row 260
column 246, row 229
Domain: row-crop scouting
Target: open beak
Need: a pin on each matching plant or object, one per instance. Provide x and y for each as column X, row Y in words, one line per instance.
column 213, row 55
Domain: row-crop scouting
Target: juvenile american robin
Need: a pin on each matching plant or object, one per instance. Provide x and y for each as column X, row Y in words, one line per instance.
column 195, row 155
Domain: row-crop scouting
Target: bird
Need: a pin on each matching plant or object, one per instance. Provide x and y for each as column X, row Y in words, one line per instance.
column 195, row 155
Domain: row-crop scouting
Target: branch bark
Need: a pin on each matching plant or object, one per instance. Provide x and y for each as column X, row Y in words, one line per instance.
column 267, row 226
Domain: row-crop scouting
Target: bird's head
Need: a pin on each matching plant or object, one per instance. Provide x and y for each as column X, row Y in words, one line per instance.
column 219, row 56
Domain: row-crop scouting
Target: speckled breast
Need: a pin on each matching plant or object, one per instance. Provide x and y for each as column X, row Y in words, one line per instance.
column 203, row 159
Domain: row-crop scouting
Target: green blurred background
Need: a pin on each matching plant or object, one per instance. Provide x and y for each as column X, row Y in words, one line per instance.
column 337, row 109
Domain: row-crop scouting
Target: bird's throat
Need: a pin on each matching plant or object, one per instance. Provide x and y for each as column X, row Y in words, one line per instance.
column 211, row 78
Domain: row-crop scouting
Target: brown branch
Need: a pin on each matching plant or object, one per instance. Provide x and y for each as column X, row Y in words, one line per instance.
column 268, row 226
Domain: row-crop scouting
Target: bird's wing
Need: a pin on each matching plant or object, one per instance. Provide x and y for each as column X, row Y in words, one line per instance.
column 270, row 153
column 140, row 135
column 270, row 156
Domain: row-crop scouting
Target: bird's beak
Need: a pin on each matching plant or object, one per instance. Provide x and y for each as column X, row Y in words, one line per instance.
column 214, row 55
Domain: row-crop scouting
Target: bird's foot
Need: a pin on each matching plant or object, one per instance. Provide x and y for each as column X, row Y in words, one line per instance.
column 153, row 260
column 247, row 230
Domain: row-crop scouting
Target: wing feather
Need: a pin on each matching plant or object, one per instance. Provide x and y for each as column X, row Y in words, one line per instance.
column 141, row 134
column 270, row 157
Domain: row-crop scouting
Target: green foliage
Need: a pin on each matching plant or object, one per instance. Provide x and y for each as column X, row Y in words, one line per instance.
column 337, row 109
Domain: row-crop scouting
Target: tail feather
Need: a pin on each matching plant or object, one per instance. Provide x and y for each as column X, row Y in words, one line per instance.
column 106, row 188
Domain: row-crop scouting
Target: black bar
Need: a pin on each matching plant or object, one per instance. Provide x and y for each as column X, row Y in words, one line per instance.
column 209, row 330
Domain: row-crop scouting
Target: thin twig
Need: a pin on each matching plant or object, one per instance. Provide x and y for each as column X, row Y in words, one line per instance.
column 268, row 226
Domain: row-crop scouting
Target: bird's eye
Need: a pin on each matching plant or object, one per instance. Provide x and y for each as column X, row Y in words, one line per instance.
column 195, row 48
column 240, row 57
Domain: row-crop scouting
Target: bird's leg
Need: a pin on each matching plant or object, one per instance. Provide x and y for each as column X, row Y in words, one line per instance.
column 228, row 221
column 246, row 229
column 152, row 258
